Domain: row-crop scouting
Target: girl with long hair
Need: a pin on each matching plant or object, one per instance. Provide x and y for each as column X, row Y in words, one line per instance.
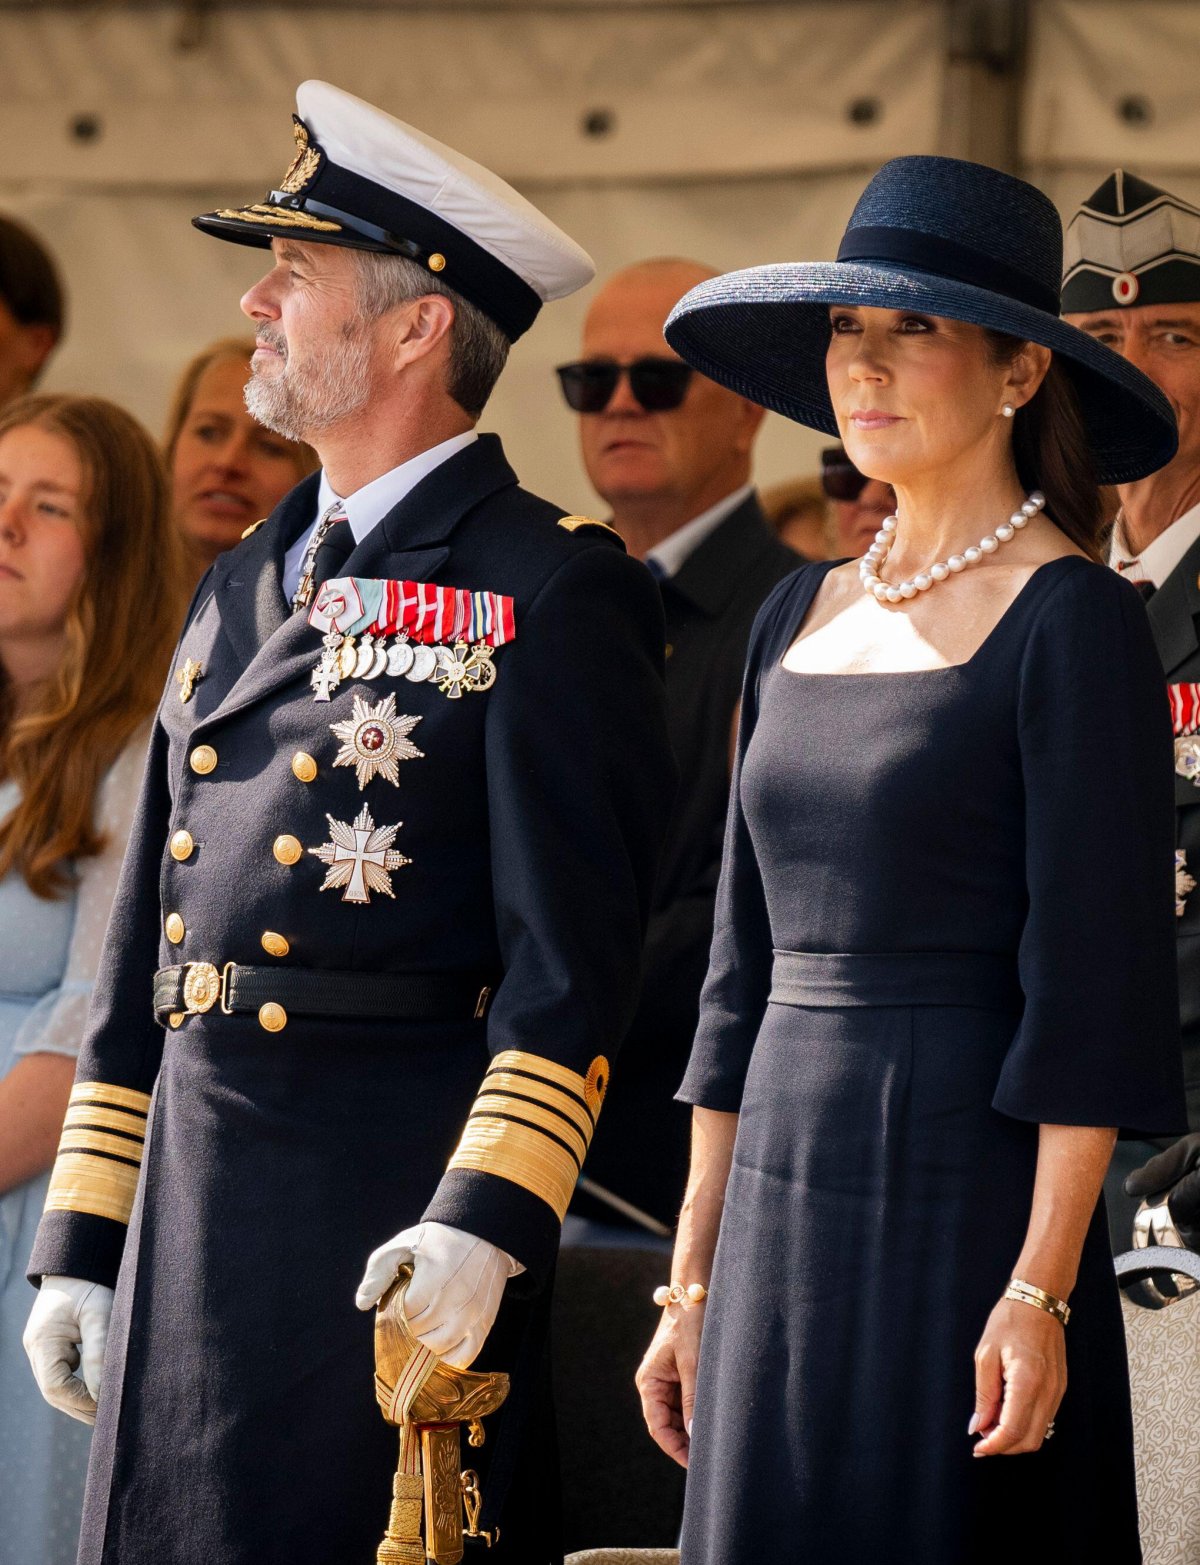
column 90, row 606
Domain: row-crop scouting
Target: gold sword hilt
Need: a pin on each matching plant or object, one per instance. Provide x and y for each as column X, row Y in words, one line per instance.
column 429, row 1486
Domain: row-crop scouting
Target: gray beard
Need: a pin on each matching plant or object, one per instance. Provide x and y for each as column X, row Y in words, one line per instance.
column 301, row 404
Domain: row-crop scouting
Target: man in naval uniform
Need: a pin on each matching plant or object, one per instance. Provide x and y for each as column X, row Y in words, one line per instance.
column 1132, row 280
column 379, row 929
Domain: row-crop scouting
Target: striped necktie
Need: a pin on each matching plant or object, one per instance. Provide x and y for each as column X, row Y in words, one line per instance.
column 1132, row 572
column 329, row 546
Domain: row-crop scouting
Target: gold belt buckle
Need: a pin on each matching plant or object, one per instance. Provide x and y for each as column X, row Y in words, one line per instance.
column 203, row 986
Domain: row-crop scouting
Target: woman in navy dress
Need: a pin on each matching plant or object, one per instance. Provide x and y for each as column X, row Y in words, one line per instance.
column 942, row 976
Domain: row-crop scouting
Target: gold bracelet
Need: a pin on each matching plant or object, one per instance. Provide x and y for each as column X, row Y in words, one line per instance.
column 1025, row 1293
column 694, row 1293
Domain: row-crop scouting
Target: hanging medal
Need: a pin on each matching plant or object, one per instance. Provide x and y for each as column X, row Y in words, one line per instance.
column 1185, row 720
column 441, row 635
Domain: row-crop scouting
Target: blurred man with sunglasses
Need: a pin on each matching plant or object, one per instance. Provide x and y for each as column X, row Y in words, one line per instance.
column 670, row 453
column 859, row 503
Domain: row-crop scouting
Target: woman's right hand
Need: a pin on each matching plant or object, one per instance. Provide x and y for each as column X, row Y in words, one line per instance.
column 666, row 1379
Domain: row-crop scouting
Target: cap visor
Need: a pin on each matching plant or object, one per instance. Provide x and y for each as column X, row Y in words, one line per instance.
column 259, row 224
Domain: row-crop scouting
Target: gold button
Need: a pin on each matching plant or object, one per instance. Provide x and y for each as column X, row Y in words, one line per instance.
column 182, row 845
column 203, row 759
column 176, row 1018
column 273, row 944
column 273, row 1017
column 304, row 767
column 437, row 262
column 175, row 929
column 670, row 650
column 286, row 849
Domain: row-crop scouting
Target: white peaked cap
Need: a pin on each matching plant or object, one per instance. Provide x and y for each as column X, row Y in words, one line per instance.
column 365, row 179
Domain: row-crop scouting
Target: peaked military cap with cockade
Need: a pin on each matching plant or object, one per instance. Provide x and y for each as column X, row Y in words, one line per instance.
column 363, row 179
column 931, row 234
column 1131, row 243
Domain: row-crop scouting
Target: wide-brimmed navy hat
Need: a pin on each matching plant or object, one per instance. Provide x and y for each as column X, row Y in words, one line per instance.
column 943, row 237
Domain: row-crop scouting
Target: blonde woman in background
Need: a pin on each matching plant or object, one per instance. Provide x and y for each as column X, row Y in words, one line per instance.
column 227, row 470
column 90, row 605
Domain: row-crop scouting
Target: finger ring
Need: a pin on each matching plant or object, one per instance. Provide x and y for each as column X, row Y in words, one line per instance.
column 1049, row 1430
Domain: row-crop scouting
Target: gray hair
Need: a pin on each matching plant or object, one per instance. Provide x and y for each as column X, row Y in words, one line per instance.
column 478, row 347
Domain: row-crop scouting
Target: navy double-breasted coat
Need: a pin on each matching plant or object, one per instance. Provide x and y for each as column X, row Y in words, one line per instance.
column 237, row 1419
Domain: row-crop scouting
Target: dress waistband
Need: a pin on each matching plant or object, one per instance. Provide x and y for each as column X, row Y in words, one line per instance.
column 841, row 978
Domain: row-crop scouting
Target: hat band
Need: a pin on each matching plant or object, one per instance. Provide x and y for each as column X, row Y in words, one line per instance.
column 407, row 228
column 947, row 258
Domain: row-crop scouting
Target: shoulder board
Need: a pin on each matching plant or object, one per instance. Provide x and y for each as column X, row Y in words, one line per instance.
column 574, row 523
column 253, row 527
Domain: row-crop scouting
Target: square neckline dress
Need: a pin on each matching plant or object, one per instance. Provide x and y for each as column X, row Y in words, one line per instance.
column 946, row 915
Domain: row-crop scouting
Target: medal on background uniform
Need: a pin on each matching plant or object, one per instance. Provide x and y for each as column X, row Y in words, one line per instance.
column 442, row 635
column 1185, row 884
column 1185, row 720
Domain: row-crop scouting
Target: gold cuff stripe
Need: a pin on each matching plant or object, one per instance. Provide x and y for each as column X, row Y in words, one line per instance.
column 98, row 1186
column 105, row 1119
column 84, row 1140
column 522, row 1086
column 537, row 1065
column 502, row 1103
column 100, row 1092
column 520, row 1154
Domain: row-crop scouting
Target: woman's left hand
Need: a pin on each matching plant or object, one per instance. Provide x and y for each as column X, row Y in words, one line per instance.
column 1020, row 1378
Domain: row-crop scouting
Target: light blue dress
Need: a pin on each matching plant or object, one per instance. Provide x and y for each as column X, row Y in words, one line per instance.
column 49, row 951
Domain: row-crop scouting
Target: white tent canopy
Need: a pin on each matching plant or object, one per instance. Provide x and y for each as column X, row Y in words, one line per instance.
column 731, row 132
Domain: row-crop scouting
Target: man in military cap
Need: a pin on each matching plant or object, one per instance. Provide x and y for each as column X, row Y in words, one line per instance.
column 379, row 930
column 1133, row 281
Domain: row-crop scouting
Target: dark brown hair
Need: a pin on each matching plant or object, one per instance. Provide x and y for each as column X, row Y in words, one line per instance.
column 120, row 630
column 29, row 282
column 1052, row 451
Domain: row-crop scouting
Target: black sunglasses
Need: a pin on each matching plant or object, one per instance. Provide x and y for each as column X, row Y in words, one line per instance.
column 657, row 384
column 840, row 479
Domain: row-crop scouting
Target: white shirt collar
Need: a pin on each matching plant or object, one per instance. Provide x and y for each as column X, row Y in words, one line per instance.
column 1158, row 559
column 367, row 506
column 671, row 553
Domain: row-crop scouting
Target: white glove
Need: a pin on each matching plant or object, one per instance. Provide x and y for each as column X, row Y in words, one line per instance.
column 67, row 1330
column 456, row 1288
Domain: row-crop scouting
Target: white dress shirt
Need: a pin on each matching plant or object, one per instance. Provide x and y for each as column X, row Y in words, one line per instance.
column 670, row 554
column 1158, row 559
column 367, row 507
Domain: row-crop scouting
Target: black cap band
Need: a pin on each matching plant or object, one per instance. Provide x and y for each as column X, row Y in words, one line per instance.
column 947, row 258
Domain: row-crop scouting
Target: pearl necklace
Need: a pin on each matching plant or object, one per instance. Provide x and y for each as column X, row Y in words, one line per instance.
column 868, row 566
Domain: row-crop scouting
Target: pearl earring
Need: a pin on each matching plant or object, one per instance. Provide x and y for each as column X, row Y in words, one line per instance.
column 1008, row 410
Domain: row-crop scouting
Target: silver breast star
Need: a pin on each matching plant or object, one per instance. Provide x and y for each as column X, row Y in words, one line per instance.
column 374, row 740
column 360, row 857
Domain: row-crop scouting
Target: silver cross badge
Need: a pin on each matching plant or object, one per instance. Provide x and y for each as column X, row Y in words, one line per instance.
column 360, row 857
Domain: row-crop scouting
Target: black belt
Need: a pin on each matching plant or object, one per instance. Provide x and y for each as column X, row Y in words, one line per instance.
column 841, row 978
column 276, row 992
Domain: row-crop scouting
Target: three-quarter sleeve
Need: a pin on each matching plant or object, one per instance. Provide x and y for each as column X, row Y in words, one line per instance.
column 56, row 1023
column 1098, row 1043
column 734, row 998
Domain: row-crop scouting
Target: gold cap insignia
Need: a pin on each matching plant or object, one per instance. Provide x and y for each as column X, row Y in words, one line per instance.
column 304, row 165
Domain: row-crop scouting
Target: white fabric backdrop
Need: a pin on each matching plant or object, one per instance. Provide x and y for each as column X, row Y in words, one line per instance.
column 732, row 141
